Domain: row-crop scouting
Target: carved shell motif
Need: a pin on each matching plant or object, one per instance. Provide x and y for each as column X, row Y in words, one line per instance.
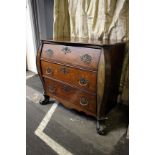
column 86, row 58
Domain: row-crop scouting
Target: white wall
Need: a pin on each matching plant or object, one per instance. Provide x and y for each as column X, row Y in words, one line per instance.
column 31, row 48
column 44, row 16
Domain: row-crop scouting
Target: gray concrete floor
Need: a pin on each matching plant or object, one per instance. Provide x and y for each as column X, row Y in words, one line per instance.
column 73, row 130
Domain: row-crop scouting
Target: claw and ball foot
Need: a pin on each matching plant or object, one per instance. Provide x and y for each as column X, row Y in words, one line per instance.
column 101, row 127
column 45, row 100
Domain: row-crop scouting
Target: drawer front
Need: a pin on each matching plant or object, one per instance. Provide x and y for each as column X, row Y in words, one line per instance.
column 70, row 95
column 75, row 56
column 82, row 79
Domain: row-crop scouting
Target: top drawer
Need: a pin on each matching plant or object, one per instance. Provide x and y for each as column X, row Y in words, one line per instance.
column 75, row 56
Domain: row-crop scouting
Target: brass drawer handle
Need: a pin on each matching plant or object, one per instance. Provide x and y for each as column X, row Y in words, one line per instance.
column 49, row 52
column 86, row 58
column 83, row 101
column 83, row 81
column 51, row 89
column 64, row 70
column 49, row 71
column 66, row 50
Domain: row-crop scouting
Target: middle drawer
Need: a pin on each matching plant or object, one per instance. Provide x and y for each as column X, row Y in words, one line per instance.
column 83, row 79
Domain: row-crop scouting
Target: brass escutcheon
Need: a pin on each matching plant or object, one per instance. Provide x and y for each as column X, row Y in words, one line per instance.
column 64, row 70
column 65, row 88
column 66, row 50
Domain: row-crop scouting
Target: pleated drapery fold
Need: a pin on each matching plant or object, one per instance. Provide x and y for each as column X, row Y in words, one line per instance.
column 98, row 19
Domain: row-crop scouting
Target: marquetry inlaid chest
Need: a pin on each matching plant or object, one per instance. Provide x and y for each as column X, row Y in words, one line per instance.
column 81, row 74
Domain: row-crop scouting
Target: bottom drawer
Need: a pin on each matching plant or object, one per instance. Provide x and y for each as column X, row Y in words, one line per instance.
column 71, row 97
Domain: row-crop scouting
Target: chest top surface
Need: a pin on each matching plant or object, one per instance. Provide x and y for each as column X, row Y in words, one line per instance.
column 84, row 41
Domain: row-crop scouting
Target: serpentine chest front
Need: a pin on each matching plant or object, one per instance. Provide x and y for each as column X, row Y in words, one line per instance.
column 81, row 76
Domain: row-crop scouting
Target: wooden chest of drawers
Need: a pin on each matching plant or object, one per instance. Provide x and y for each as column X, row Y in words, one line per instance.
column 81, row 74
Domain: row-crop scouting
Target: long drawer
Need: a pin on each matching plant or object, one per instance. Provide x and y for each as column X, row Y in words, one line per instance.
column 82, row 79
column 71, row 96
column 77, row 56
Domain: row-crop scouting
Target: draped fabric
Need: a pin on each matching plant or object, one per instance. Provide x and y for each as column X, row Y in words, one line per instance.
column 98, row 19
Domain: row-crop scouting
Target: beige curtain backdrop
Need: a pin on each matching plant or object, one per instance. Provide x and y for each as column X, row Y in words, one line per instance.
column 99, row 19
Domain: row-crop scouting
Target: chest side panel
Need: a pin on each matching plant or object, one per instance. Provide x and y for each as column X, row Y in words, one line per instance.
column 100, row 81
